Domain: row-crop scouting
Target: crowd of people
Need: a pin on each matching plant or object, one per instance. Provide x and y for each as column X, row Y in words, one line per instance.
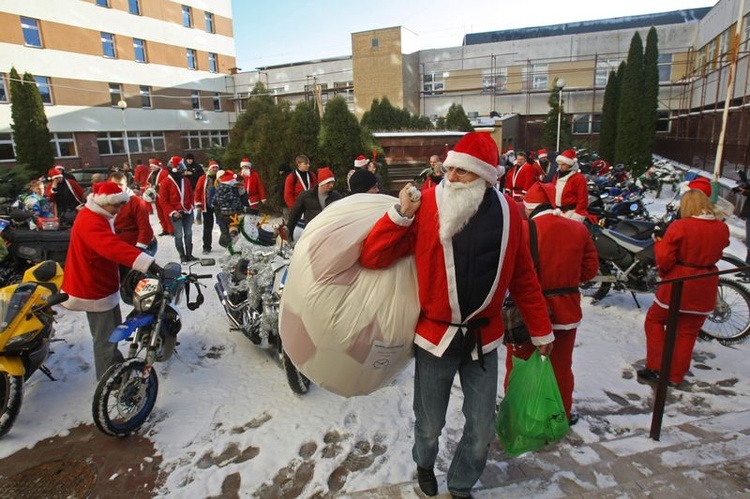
column 480, row 231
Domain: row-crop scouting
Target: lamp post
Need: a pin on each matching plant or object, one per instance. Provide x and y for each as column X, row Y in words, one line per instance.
column 123, row 106
column 560, row 85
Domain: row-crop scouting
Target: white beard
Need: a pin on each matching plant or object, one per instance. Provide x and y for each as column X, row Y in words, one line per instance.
column 459, row 203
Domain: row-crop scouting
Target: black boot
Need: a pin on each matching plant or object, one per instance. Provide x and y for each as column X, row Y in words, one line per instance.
column 427, row 481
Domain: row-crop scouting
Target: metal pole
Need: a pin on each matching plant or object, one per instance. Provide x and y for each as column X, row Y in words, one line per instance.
column 127, row 145
column 660, row 398
column 560, row 84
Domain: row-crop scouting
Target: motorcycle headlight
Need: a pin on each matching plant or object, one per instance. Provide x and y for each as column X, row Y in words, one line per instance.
column 145, row 304
column 21, row 340
column 634, row 207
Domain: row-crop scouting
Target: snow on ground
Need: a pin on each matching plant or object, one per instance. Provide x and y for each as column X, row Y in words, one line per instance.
column 222, row 395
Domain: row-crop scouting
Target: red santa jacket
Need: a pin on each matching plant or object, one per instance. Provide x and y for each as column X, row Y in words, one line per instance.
column 201, row 190
column 254, row 188
column 295, row 185
column 92, row 278
column 691, row 246
column 176, row 196
column 140, row 176
column 76, row 189
column 567, row 257
column 519, row 179
column 132, row 224
column 394, row 236
column 572, row 195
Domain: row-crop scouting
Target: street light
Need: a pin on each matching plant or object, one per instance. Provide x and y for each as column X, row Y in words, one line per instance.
column 123, row 106
column 560, row 85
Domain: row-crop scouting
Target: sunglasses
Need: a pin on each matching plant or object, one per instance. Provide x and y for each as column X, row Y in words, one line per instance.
column 460, row 172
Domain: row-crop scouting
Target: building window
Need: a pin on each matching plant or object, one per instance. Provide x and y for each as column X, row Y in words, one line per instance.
column 115, row 93
column 31, row 34
column 134, row 7
column 195, row 99
column 139, row 49
column 102, row 3
column 64, row 145
column 344, row 89
column 603, row 69
column 42, row 83
column 217, row 101
column 191, row 59
column 3, row 92
column 6, row 147
column 187, row 16
column 108, row 45
column 724, row 47
column 375, row 43
column 539, row 77
column 663, row 123
column 213, row 62
column 665, row 68
column 203, row 140
column 145, row 96
column 584, row 124
column 110, row 143
column 497, row 82
column 596, row 123
column 210, row 23
column 138, row 142
column 433, row 83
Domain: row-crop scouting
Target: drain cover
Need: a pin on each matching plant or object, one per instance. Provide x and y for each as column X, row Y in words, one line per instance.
column 62, row 478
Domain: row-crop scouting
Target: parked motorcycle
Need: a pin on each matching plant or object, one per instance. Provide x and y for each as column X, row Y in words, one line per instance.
column 27, row 329
column 126, row 393
column 250, row 291
column 627, row 262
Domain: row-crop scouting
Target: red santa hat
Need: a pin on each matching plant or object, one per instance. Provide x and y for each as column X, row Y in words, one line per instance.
column 541, row 153
column 361, row 161
column 56, row 172
column 476, row 152
column 213, row 164
column 228, row 177
column 325, row 175
column 567, row 157
column 702, row 184
column 176, row 163
column 538, row 194
column 245, row 163
column 108, row 193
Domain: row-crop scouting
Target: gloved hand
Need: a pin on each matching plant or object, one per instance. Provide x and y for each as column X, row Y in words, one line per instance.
column 155, row 270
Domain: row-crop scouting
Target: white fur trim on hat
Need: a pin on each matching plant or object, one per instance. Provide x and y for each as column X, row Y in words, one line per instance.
column 110, row 199
column 473, row 164
column 361, row 161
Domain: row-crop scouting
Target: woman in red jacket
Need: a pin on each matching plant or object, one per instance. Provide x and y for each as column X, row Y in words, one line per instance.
column 691, row 245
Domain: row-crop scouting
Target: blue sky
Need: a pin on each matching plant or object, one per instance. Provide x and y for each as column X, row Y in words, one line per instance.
column 282, row 31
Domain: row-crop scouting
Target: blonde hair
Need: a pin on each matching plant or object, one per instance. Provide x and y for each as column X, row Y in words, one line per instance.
column 695, row 202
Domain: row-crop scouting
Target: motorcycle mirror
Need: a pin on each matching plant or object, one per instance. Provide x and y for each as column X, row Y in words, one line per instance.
column 207, row 262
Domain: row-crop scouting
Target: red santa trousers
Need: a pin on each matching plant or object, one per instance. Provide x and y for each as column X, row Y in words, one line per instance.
column 688, row 326
column 561, row 358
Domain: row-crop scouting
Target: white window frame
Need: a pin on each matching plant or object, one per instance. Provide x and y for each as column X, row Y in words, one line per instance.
column 213, row 62
column 664, row 65
column 195, row 100
column 143, row 142
column 192, row 59
column 139, row 45
column 29, row 25
column 495, row 82
column 603, row 69
column 433, row 83
column 210, row 23
column 115, row 89
column 216, row 98
column 3, row 90
column 5, row 140
column 196, row 140
column 137, row 5
column 663, row 115
column 187, row 16
column 110, row 139
column 44, row 81
column 344, row 89
column 59, row 138
column 108, row 39
column 145, row 92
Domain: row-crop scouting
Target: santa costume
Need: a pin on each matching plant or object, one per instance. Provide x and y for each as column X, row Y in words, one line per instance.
column 571, row 188
column 256, row 193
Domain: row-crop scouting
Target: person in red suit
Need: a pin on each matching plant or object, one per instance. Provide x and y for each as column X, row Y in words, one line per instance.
column 460, row 325
column 571, row 190
column 691, row 245
column 92, row 278
column 63, row 191
column 566, row 257
column 158, row 173
column 436, row 173
column 176, row 193
column 300, row 180
column 520, row 177
column 256, row 194
column 140, row 175
column 131, row 223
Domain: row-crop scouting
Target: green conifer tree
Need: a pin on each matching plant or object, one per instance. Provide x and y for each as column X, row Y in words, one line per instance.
column 650, row 101
column 31, row 135
column 456, row 119
column 610, row 108
column 549, row 127
column 629, row 120
column 340, row 139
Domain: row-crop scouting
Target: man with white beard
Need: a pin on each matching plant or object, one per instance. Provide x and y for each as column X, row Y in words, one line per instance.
column 469, row 250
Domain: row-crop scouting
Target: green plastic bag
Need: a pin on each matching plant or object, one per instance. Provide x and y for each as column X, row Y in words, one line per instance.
column 532, row 413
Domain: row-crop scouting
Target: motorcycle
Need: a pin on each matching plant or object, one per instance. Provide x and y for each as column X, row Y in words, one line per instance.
column 250, row 292
column 27, row 330
column 627, row 262
column 126, row 393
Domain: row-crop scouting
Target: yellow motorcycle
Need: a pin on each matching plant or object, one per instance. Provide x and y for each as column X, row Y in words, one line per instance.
column 26, row 330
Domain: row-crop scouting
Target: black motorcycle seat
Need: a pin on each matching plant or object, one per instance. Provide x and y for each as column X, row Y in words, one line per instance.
column 630, row 243
column 637, row 229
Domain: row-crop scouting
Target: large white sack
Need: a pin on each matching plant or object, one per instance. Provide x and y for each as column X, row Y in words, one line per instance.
column 347, row 328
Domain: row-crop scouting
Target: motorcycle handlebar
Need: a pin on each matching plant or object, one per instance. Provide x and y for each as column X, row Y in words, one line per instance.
column 203, row 276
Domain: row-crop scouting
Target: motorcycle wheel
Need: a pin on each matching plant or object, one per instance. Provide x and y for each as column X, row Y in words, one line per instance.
column 298, row 382
column 598, row 290
column 11, row 396
column 729, row 323
column 124, row 399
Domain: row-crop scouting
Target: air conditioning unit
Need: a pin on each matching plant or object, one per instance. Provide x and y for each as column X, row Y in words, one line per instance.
column 198, row 114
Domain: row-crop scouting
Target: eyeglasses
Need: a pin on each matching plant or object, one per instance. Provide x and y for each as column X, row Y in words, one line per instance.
column 460, row 172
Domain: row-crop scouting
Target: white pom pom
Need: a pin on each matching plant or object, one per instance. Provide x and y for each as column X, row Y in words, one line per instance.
column 414, row 193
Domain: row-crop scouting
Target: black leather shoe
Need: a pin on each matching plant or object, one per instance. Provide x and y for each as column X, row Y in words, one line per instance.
column 427, row 481
column 647, row 375
column 573, row 419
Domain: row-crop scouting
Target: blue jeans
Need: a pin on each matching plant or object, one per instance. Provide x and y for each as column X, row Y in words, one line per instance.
column 183, row 228
column 433, row 379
